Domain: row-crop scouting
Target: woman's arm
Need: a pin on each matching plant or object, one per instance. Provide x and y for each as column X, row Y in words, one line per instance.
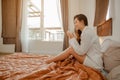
column 86, row 42
column 70, row 35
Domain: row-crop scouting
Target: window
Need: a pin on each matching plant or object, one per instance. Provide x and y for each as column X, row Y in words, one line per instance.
column 44, row 20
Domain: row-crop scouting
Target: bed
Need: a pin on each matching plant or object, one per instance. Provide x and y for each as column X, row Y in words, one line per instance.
column 23, row 66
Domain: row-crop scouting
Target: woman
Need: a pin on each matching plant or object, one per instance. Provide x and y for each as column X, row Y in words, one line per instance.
column 88, row 52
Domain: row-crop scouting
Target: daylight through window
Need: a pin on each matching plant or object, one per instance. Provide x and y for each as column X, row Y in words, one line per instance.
column 44, row 20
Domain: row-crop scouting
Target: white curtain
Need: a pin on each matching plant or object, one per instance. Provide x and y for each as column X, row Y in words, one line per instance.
column 59, row 12
column 35, row 45
column 24, row 29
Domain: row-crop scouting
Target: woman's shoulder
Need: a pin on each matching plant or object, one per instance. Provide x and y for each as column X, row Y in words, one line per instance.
column 89, row 30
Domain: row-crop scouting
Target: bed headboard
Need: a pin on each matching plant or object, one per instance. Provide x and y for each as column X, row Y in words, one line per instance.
column 105, row 29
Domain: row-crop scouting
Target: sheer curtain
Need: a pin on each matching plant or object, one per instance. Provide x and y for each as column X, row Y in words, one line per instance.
column 59, row 12
column 24, row 29
column 26, row 42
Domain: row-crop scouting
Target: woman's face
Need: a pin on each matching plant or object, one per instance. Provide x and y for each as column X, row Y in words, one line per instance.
column 77, row 24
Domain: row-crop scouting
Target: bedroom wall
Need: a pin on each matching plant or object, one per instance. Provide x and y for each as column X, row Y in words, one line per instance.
column 74, row 9
column 115, row 13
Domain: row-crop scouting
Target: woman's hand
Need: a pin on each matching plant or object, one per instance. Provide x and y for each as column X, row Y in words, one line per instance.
column 70, row 35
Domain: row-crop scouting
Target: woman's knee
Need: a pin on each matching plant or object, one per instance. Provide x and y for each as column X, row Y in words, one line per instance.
column 71, row 50
column 68, row 49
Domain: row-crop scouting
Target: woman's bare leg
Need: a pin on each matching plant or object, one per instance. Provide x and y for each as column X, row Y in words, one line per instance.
column 63, row 55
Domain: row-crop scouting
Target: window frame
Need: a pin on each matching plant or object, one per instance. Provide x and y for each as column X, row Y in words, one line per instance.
column 41, row 27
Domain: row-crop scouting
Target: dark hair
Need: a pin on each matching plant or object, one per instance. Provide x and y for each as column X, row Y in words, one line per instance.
column 78, row 34
column 82, row 17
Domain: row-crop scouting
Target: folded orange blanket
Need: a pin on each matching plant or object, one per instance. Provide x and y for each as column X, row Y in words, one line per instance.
column 21, row 66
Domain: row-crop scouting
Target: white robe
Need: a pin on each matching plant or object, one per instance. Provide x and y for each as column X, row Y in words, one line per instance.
column 90, row 46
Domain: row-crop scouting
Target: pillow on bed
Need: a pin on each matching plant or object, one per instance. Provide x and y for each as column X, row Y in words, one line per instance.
column 107, row 43
column 114, row 74
column 111, row 56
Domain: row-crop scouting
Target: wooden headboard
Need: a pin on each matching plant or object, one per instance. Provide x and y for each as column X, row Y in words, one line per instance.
column 105, row 29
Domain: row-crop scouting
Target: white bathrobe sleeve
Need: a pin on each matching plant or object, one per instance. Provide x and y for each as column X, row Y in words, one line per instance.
column 86, row 41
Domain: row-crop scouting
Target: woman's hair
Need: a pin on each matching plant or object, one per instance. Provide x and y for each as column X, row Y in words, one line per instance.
column 82, row 17
column 78, row 34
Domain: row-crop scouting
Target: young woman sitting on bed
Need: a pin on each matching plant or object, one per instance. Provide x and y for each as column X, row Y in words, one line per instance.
column 88, row 51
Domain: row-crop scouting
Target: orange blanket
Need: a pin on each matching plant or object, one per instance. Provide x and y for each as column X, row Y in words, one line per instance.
column 19, row 66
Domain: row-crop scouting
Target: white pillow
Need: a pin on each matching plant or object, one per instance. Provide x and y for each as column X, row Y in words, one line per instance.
column 107, row 43
column 111, row 58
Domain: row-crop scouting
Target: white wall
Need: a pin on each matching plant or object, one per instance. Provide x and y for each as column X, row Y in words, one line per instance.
column 74, row 9
column 116, row 19
column 87, row 7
